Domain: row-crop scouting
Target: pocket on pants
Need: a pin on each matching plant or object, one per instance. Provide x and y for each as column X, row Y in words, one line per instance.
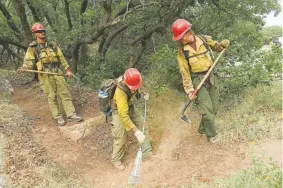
column 118, row 131
column 116, row 127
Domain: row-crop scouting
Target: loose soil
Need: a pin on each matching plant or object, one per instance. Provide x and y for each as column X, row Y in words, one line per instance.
column 181, row 155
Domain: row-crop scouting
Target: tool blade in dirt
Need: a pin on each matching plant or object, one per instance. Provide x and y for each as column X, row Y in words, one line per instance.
column 183, row 116
column 136, row 172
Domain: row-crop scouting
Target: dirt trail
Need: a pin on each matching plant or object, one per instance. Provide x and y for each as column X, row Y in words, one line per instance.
column 181, row 154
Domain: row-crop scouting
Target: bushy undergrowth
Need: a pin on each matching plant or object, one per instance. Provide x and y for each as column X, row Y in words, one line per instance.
column 164, row 71
column 259, row 67
column 260, row 175
column 94, row 72
column 256, row 116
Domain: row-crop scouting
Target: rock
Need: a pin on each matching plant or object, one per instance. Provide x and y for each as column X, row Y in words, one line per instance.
column 6, row 88
column 3, row 182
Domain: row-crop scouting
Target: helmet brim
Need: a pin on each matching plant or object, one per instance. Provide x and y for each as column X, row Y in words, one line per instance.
column 39, row 30
column 135, row 87
column 179, row 37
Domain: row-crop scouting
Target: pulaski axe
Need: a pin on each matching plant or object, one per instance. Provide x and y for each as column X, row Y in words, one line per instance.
column 183, row 116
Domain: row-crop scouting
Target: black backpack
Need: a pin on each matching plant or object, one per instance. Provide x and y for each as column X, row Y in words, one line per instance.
column 204, row 40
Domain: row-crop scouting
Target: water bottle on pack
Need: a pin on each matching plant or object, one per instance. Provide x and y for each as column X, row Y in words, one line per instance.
column 105, row 94
column 102, row 94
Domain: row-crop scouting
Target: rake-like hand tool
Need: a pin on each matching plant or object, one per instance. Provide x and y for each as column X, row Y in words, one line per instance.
column 183, row 116
column 136, row 172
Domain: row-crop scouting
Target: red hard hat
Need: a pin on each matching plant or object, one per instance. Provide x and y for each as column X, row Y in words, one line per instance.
column 133, row 79
column 180, row 28
column 37, row 27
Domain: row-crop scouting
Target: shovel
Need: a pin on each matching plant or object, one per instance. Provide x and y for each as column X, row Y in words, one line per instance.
column 183, row 116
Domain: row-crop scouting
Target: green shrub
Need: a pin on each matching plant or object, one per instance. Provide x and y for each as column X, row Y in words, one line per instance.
column 260, row 175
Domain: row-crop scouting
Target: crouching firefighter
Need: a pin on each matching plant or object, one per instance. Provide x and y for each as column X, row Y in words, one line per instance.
column 125, row 116
column 47, row 56
column 195, row 58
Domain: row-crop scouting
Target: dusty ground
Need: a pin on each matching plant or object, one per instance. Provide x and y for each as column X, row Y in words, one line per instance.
column 182, row 156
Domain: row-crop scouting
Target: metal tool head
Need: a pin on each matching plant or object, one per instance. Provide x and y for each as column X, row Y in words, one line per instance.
column 183, row 116
column 186, row 119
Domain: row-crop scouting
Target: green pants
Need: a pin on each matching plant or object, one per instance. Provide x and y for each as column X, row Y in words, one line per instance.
column 120, row 134
column 207, row 102
column 53, row 85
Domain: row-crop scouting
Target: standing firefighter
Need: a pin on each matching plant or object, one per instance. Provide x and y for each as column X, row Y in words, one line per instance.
column 125, row 117
column 195, row 58
column 47, row 56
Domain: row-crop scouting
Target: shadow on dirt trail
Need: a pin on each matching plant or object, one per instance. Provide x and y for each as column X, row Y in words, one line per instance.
column 181, row 155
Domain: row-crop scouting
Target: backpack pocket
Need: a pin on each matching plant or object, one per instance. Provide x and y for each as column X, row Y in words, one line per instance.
column 104, row 102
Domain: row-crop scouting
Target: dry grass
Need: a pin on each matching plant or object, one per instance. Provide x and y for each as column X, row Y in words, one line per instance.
column 258, row 116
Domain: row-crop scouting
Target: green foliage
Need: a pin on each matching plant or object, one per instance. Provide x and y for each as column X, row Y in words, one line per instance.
column 93, row 73
column 163, row 71
column 106, row 54
column 259, row 67
column 259, row 175
column 271, row 33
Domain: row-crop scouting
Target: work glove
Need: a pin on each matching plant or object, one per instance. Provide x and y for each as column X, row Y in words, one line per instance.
column 69, row 73
column 140, row 136
column 145, row 96
column 191, row 97
column 39, row 66
column 225, row 43
column 22, row 68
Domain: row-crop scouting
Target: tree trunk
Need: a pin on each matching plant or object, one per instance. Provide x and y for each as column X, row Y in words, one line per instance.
column 20, row 10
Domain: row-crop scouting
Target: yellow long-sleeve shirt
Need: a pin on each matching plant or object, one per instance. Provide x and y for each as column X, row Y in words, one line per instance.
column 123, row 106
column 200, row 63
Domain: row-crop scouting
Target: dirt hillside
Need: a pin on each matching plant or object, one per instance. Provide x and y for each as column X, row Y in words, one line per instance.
column 38, row 153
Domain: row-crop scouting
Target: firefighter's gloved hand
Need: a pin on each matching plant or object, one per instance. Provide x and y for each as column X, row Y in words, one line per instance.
column 69, row 73
column 140, row 136
column 225, row 43
column 22, row 68
column 191, row 96
column 146, row 96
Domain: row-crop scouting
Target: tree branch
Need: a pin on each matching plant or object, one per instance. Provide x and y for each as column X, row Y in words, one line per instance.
column 83, row 9
column 67, row 12
column 34, row 12
column 20, row 9
column 107, row 7
column 15, row 43
column 10, row 51
column 147, row 34
column 9, row 18
column 111, row 38
column 138, row 57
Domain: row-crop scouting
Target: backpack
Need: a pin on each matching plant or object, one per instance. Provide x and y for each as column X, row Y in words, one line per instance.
column 37, row 48
column 204, row 40
column 106, row 94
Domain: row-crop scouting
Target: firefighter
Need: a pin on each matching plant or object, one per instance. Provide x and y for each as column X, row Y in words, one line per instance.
column 46, row 56
column 125, row 117
column 194, row 59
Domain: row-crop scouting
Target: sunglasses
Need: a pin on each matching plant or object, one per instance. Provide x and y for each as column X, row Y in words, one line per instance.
column 40, row 31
